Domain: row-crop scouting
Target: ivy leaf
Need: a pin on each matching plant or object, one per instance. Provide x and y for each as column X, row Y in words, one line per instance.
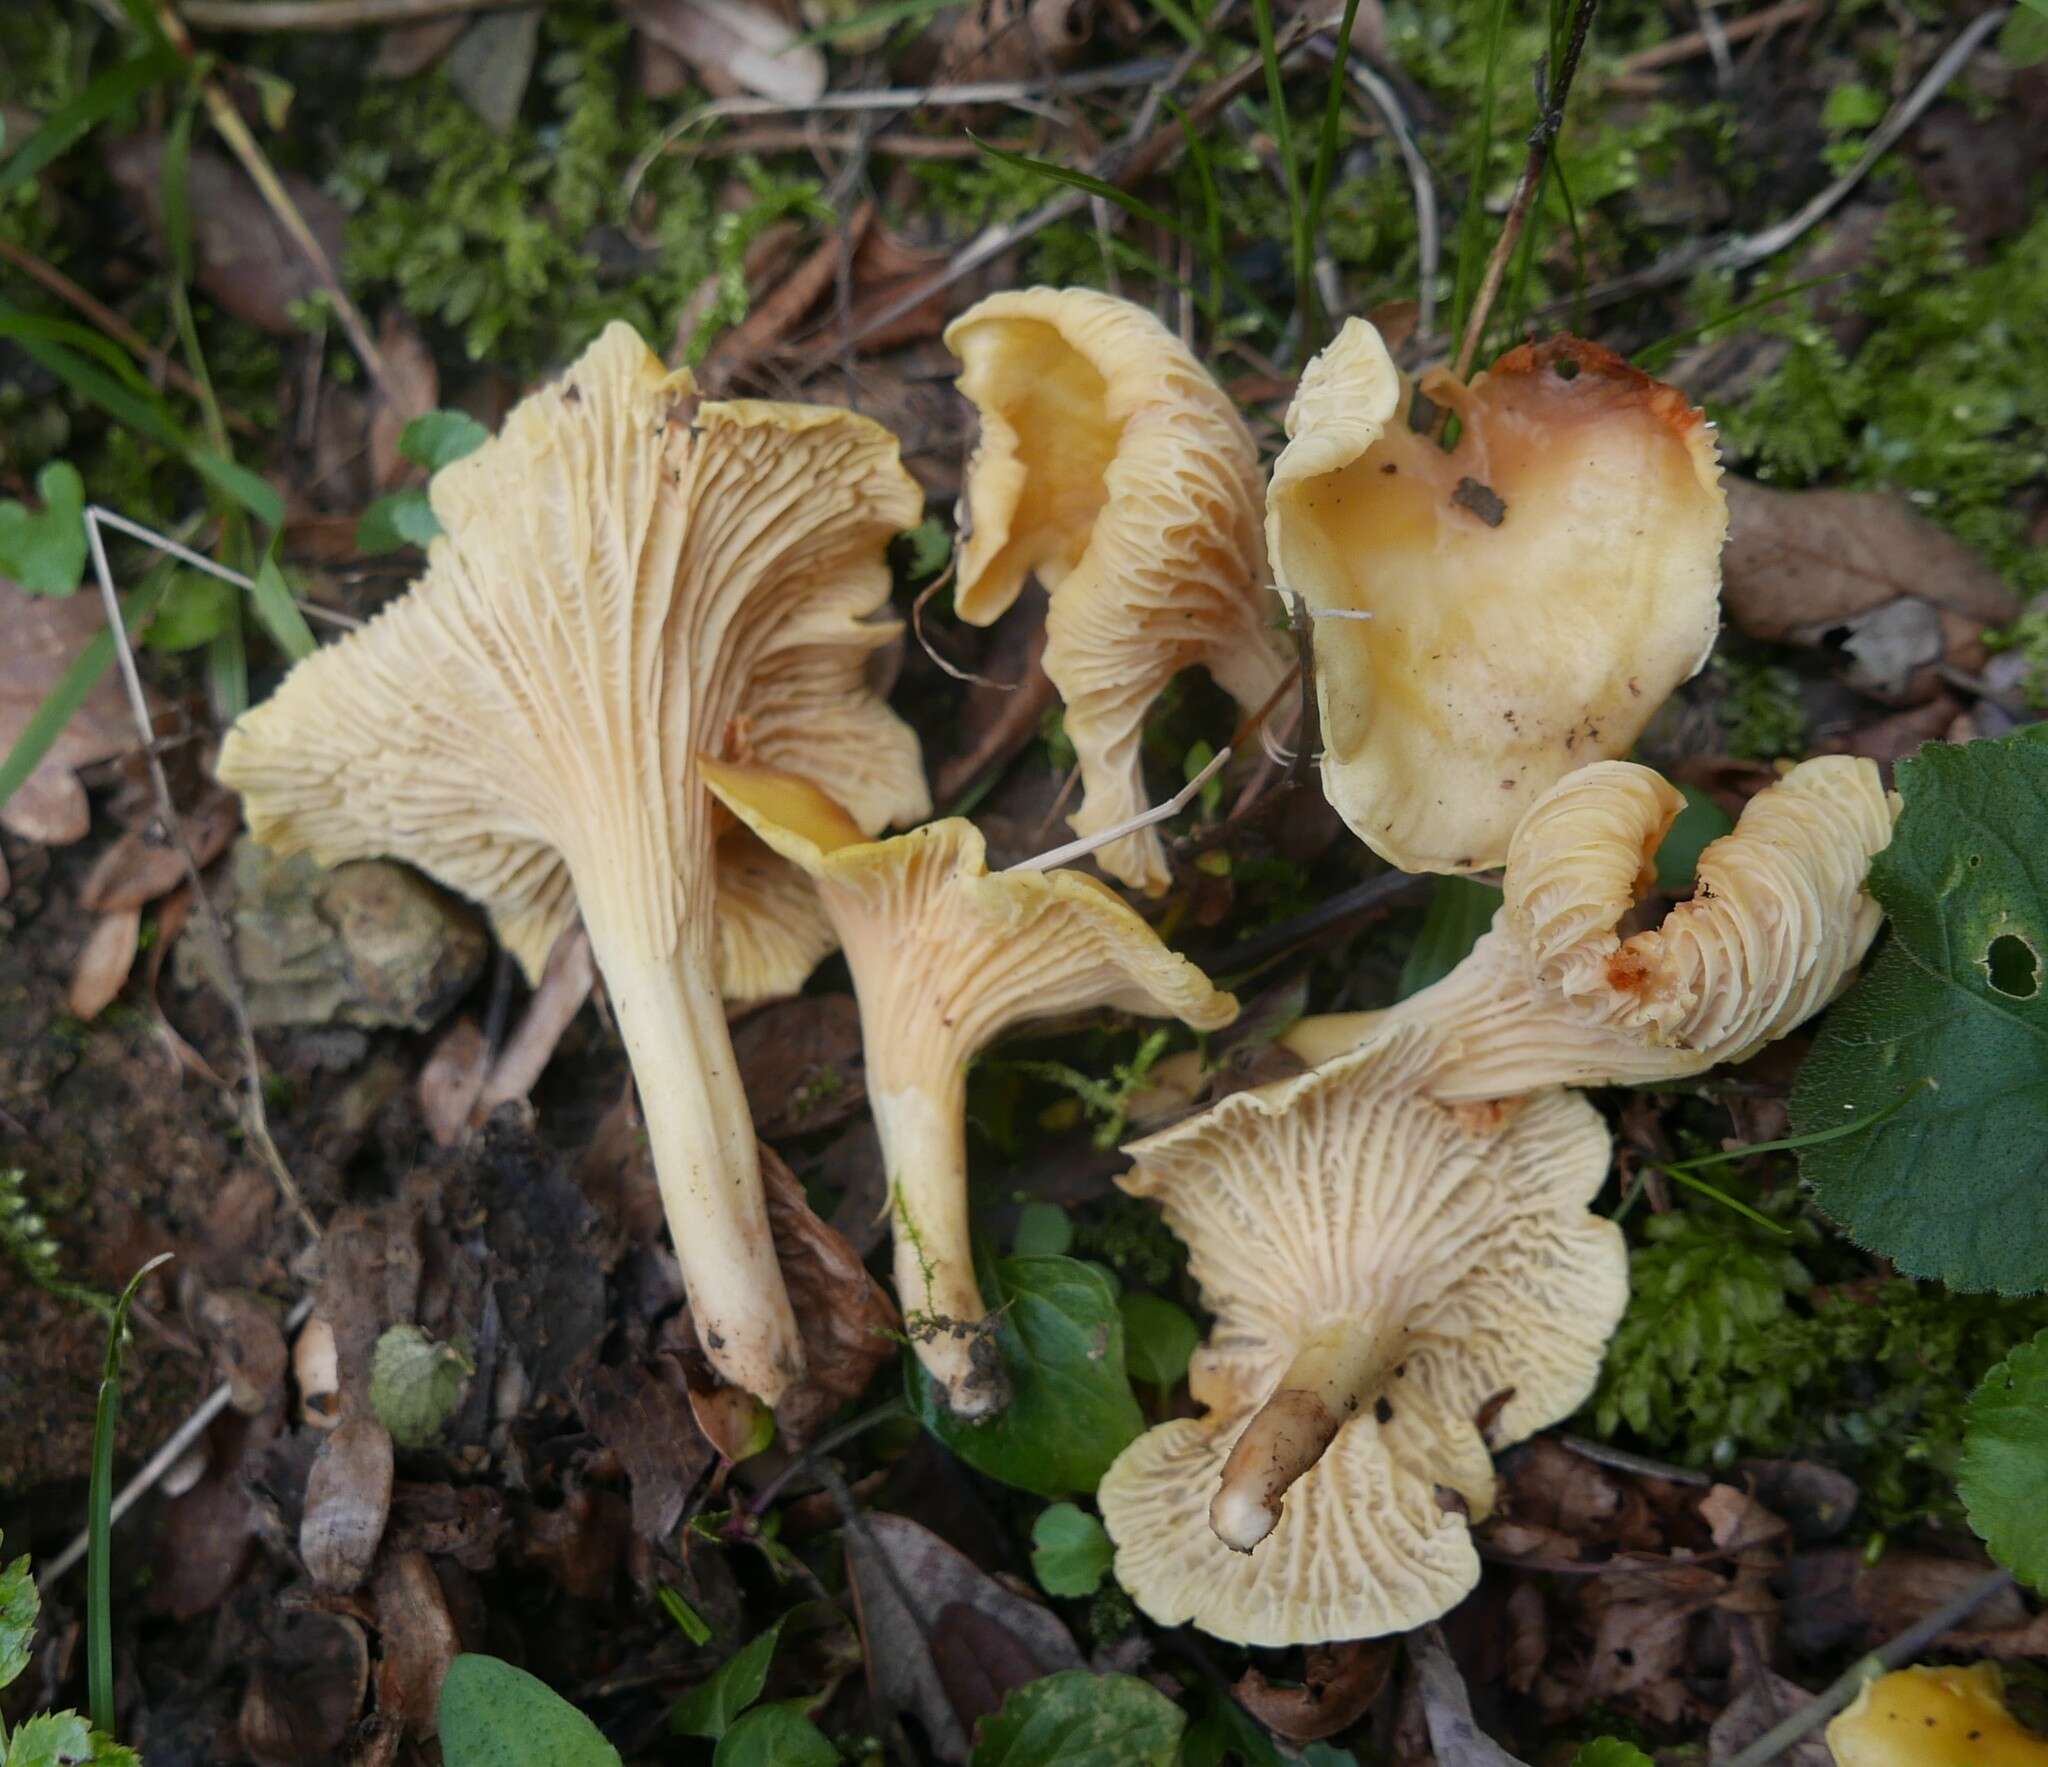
column 19, row 1605
column 2003, row 1475
column 415, row 1384
column 1080, row 1719
column 45, row 554
column 1950, row 1185
column 775, row 1736
column 493, row 1715
column 1158, row 1338
column 1459, row 912
column 1070, row 1551
column 710, row 1708
column 1611, row 1751
column 1071, row 1411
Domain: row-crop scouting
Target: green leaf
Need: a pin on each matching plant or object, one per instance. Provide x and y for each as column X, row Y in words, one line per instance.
column 1043, row 1230
column 1079, row 1719
column 278, row 611
column 1700, row 823
column 1949, row 1186
column 1158, row 1339
column 1071, row 1411
column 2003, row 1475
column 1084, row 181
column 926, row 548
column 54, row 1739
column 1224, row 1734
column 416, row 1384
column 710, row 1707
column 493, row 1715
column 1459, row 912
column 19, row 1605
column 1611, row 1751
column 1070, row 1551
column 404, row 518
column 196, row 610
column 99, row 1522
column 45, row 554
column 107, row 94
column 2023, row 42
column 441, row 438
column 774, row 1736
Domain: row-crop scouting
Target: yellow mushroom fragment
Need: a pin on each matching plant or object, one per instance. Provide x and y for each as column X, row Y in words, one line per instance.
column 1934, row 1717
column 1555, row 995
column 946, row 956
column 627, row 578
column 1114, row 469
column 1495, row 615
column 1396, row 1284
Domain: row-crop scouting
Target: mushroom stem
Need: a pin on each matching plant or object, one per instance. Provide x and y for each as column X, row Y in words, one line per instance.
column 1334, row 1374
column 924, row 1151
column 701, row 1135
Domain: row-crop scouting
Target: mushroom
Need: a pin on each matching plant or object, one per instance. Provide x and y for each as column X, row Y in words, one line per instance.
column 627, row 578
column 1501, row 612
column 1115, row 469
column 1554, row 995
column 1396, row 1283
column 1934, row 1717
column 946, row 956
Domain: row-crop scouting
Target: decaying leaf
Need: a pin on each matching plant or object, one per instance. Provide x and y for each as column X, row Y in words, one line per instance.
column 800, row 1061
column 145, row 863
column 733, row 45
column 642, row 1413
column 1338, row 1683
column 104, row 962
column 418, row 1638
column 348, row 1496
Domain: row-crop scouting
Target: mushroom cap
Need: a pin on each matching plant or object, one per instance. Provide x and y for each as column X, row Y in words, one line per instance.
column 1115, row 468
column 1554, row 995
column 1536, row 591
column 992, row 949
column 1462, row 1238
column 682, row 577
column 1934, row 1717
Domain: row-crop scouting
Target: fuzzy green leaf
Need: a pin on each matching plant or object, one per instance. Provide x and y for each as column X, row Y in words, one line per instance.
column 44, row 552
column 493, row 1715
column 2003, row 1478
column 1079, row 1719
column 1070, row 1551
column 1159, row 1338
column 1071, row 1412
column 416, row 1384
column 1950, row 1185
column 774, row 1736
column 710, row 1708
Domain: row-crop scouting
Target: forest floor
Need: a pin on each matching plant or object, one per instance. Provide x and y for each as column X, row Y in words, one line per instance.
column 492, row 188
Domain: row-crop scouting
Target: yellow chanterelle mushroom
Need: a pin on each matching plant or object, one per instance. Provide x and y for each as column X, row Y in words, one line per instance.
column 1931, row 1717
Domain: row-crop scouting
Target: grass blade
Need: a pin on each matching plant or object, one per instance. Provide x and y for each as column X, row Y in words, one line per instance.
column 278, row 612
column 1326, row 141
column 1472, row 247
column 99, row 1596
column 73, row 119
column 1094, row 186
column 1283, row 142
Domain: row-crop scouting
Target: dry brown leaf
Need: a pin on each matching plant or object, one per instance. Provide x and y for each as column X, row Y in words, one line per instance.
column 1760, row 1707
column 734, row 46
column 206, row 1533
column 248, row 1347
column 104, row 962
column 405, row 50
column 242, row 255
column 1015, row 39
column 886, row 267
column 908, row 1585
column 564, row 986
column 642, row 1414
column 306, row 1692
column 418, row 1639
column 452, row 1079
column 44, row 636
column 773, row 318
column 145, row 863
column 348, row 1497
column 800, row 1061
column 1338, row 1683
column 411, row 386
column 1447, row 1706
column 846, row 1317
column 1858, row 572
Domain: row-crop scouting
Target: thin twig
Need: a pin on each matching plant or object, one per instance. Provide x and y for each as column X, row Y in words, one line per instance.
column 917, row 627
column 164, row 1458
column 1736, row 30
column 255, row 1121
column 200, row 562
column 331, row 15
column 1540, row 140
column 1089, row 843
column 115, row 327
column 1623, row 1461
column 1428, row 229
column 887, row 1412
column 1902, row 1649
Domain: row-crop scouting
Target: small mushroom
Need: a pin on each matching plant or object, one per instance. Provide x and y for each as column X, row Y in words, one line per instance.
column 1934, row 1717
column 1554, row 995
column 1113, row 468
column 946, row 956
column 1396, row 1284
column 627, row 578
column 1499, row 613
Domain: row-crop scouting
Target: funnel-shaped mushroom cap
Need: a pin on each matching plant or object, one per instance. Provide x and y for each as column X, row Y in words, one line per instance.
column 1112, row 466
column 1553, row 995
column 946, row 956
column 1929, row 1717
column 626, row 579
column 1384, row 1271
column 1535, row 592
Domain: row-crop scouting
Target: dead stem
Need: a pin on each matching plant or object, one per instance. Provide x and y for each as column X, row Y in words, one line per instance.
column 330, row 15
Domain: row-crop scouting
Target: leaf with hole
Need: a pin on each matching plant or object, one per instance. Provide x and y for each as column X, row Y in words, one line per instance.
column 1950, row 1185
column 2003, row 1475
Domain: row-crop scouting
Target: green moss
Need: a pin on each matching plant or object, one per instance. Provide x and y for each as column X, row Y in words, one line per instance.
column 1133, row 1237
column 1759, row 708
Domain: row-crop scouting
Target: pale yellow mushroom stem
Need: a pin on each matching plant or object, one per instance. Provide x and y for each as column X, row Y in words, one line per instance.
column 1333, row 1376
column 924, row 1151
